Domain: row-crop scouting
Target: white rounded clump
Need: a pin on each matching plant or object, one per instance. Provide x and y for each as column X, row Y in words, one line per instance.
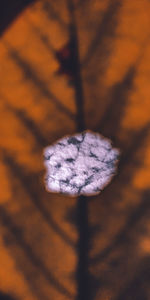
column 80, row 164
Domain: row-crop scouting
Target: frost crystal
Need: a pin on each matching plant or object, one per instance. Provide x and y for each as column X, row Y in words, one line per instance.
column 80, row 164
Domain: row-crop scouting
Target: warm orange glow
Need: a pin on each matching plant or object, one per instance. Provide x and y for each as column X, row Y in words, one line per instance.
column 38, row 257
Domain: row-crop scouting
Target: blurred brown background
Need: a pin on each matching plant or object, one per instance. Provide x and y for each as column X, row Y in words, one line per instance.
column 43, row 241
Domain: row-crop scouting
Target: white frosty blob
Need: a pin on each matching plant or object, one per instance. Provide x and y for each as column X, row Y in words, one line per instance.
column 80, row 164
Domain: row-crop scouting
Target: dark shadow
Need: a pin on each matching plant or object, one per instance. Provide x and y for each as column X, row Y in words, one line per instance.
column 105, row 29
column 9, row 10
column 34, row 259
column 30, row 183
column 136, row 288
column 74, row 48
column 82, row 275
column 4, row 296
column 87, row 284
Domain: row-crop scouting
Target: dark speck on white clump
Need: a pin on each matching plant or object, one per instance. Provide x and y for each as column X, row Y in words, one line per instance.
column 82, row 164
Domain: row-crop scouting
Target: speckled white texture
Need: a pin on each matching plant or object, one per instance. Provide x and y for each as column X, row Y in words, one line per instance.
column 80, row 164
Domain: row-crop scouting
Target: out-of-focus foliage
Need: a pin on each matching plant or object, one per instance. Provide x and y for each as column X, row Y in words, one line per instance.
column 39, row 232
